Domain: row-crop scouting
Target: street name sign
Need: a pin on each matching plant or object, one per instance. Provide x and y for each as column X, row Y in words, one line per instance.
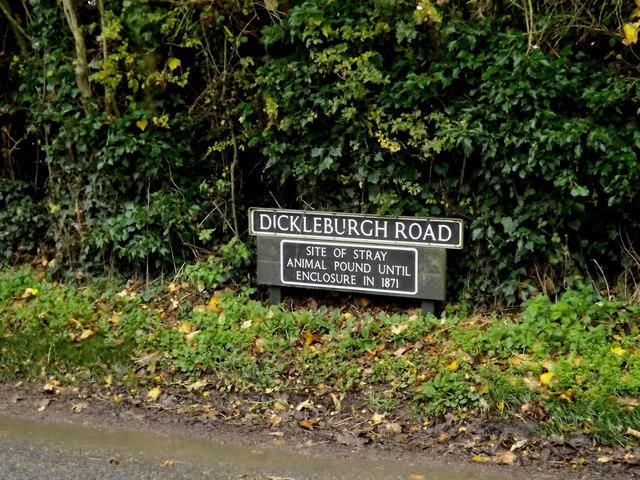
column 394, row 256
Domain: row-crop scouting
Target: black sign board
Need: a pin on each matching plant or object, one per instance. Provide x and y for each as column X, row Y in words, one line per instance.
column 395, row 256
column 339, row 266
column 410, row 231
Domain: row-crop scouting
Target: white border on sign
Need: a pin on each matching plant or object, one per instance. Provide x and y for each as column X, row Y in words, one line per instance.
column 354, row 245
column 458, row 222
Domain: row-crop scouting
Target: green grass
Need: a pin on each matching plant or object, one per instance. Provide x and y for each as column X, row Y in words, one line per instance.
column 573, row 363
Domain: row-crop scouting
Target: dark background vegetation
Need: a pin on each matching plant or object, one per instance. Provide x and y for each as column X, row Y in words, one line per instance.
column 136, row 134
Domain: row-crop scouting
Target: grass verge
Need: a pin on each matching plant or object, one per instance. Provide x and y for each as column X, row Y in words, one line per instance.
column 571, row 364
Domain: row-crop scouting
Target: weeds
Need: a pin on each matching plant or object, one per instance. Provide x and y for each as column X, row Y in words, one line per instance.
column 570, row 364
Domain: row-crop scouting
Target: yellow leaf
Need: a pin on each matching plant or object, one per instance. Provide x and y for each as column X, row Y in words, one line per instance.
column 279, row 406
column 172, row 287
column 630, row 31
column 618, row 351
column 197, row 385
column 173, row 63
column 51, row 385
column 308, row 337
column 190, row 336
column 633, row 433
column 453, row 366
column 548, row 378
column 377, row 418
column 154, row 393
column 142, row 124
column 29, row 292
column 78, row 407
column 346, row 316
column 185, row 327
column 86, row 333
column 308, row 424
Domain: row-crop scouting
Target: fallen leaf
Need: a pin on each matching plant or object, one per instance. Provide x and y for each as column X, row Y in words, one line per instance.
column 142, row 125
column 519, row 444
column 274, row 420
column 337, row 405
column 364, row 301
column 154, row 393
column 507, row 458
column 399, row 328
column 548, row 378
column 633, row 433
column 627, row 401
column 547, row 364
column 168, row 463
column 44, row 404
column 80, row 406
column 280, row 406
column 307, row 424
column 453, row 366
column 246, row 324
column 399, row 351
column 185, row 327
column 261, row 344
column 307, row 404
column 190, row 336
column 393, row 428
column 197, row 385
column 618, row 351
column 52, row 386
column 86, row 333
column 350, row 440
column 604, row 459
column 377, row 418
column 415, row 476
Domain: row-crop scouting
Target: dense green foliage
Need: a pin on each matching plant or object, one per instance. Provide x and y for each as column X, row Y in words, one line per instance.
column 136, row 134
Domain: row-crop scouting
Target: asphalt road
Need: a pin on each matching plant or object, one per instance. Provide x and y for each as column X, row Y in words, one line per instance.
column 32, row 449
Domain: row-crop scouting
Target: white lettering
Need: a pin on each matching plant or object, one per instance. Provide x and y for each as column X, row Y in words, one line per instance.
column 370, row 232
column 280, row 218
column 440, row 236
column 265, row 218
column 428, row 232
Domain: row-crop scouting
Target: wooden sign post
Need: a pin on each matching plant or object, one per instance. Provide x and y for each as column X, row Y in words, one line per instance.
column 395, row 256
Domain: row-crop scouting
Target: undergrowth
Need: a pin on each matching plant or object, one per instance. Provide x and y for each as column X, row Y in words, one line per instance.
column 571, row 364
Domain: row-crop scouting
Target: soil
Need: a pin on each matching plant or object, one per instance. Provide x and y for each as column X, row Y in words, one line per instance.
column 500, row 448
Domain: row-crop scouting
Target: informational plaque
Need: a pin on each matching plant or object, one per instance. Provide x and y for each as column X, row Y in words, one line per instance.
column 395, row 256
column 339, row 266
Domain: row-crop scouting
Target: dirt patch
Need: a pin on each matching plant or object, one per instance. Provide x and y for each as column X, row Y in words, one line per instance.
column 506, row 448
